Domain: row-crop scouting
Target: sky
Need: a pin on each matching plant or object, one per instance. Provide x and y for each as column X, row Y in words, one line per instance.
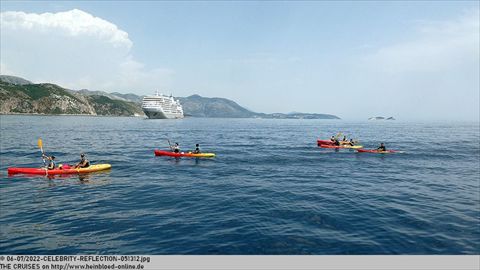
column 413, row 60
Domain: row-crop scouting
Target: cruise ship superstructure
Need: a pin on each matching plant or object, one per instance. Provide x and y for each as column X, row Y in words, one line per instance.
column 162, row 107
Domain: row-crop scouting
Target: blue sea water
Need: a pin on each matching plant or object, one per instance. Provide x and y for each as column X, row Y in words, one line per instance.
column 270, row 190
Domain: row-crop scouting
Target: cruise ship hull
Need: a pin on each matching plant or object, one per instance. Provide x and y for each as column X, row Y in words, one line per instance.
column 152, row 113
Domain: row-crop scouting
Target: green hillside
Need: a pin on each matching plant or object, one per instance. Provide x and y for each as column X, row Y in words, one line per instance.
column 53, row 99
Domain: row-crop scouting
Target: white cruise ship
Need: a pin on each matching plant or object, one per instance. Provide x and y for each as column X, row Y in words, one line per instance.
column 162, row 107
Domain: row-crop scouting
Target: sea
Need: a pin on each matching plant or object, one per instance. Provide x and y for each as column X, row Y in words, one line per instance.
column 269, row 190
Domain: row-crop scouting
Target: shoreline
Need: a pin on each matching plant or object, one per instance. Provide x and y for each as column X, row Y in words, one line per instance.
column 65, row 114
column 143, row 116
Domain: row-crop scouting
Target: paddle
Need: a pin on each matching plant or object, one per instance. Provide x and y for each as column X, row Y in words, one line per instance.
column 171, row 148
column 40, row 145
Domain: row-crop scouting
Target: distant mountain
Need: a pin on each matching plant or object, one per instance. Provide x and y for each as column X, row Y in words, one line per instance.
column 99, row 93
column 198, row 106
column 18, row 95
column 129, row 97
column 14, row 80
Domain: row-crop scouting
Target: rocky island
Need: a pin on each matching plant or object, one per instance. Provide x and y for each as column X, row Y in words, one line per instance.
column 381, row 118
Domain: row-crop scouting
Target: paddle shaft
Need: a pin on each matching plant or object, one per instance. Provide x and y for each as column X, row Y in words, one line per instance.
column 40, row 144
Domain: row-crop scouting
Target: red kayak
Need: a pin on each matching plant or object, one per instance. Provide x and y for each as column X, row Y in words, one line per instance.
column 182, row 154
column 376, row 151
column 329, row 142
column 324, row 142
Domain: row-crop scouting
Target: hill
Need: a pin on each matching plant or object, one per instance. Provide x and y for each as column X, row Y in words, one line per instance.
column 14, row 80
column 49, row 98
column 198, row 106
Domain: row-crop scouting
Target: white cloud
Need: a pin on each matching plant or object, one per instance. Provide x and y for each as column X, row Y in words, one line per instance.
column 70, row 23
column 440, row 46
column 76, row 50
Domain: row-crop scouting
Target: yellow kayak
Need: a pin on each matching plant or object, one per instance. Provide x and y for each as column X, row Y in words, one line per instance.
column 182, row 154
column 68, row 170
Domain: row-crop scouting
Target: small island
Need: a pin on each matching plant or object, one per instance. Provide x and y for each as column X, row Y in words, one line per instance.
column 381, row 118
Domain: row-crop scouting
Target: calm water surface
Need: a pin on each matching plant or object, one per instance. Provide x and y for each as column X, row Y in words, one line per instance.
column 270, row 190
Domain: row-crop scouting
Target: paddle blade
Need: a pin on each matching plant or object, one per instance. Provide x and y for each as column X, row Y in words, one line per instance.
column 40, row 143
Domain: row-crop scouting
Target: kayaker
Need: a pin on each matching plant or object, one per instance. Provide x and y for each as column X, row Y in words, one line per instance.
column 84, row 163
column 176, row 148
column 197, row 149
column 351, row 142
column 336, row 142
column 332, row 139
column 344, row 139
column 382, row 147
column 51, row 164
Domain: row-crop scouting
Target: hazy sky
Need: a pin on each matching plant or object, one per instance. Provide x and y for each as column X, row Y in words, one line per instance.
column 411, row 60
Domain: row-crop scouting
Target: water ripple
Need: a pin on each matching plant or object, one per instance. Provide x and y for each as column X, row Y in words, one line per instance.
column 270, row 190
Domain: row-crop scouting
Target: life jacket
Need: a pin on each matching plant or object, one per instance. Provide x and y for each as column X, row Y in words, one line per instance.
column 50, row 165
column 87, row 163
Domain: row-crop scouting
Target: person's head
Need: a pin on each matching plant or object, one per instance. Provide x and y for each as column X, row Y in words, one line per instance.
column 197, row 145
column 52, row 157
column 381, row 144
column 82, row 155
column 351, row 140
column 176, row 144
